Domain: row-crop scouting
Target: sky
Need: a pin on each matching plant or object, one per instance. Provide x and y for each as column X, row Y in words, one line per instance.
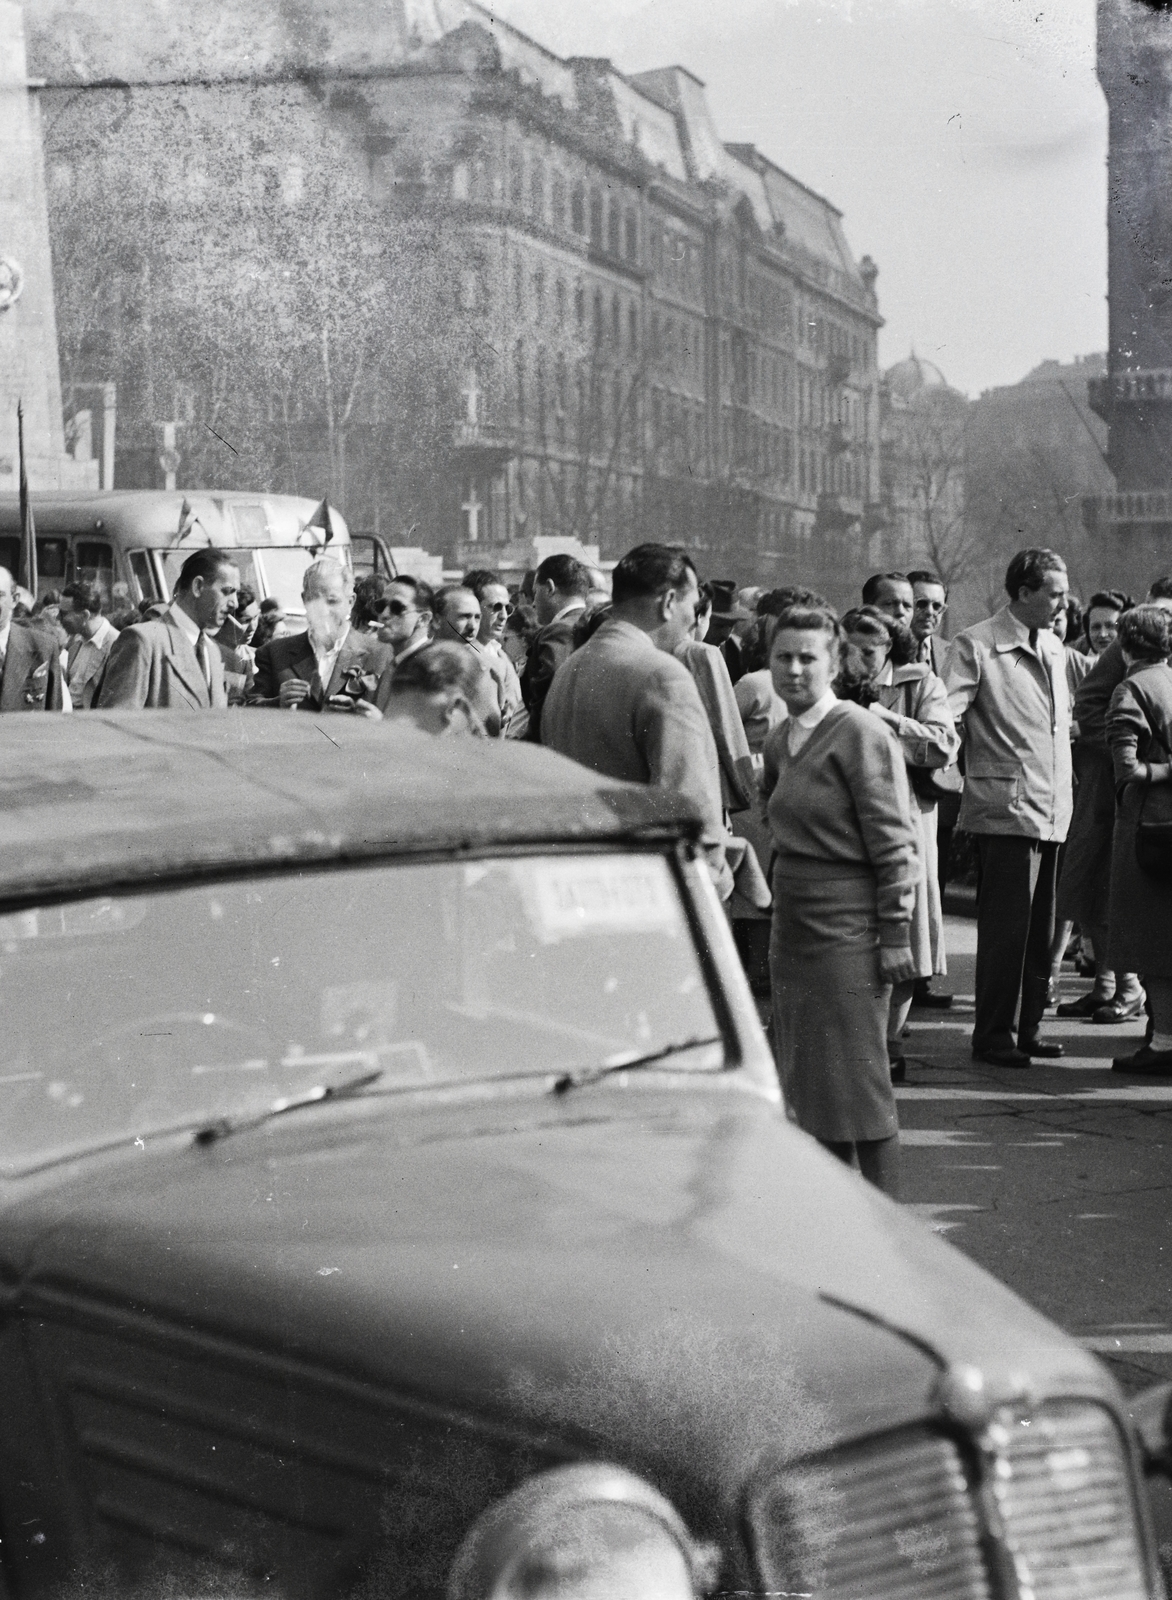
column 965, row 141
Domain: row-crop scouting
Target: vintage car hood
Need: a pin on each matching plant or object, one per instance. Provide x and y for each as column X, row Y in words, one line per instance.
column 661, row 1270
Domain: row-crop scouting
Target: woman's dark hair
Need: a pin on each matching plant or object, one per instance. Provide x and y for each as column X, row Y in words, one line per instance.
column 868, row 623
column 1104, row 600
column 1074, row 617
column 1145, row 633
column 368, row 593
column 588, row 624
column 245, row 597
column 1028, row 570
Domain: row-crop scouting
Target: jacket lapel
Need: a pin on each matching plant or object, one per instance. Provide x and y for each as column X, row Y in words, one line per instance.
column 185, row 665
column 16, row 668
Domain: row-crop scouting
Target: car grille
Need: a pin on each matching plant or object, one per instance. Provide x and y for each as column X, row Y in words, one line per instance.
column 1042, row 1510
column 1062, row 1486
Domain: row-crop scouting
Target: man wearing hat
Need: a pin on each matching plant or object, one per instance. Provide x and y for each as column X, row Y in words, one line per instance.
column 732, row 616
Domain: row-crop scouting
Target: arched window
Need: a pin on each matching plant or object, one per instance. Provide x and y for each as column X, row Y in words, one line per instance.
column 537, row 190
column 632, row 236
column 596, row 217
column 598, row 316
column 612, row 227
column 633, row 330
column 616, row 322
column 558, row 199
column 578, row 209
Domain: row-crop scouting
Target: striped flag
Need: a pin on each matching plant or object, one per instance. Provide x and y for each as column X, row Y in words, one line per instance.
column 28, row 533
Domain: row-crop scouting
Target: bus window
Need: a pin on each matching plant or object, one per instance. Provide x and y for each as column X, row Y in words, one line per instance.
column 93, row 560
column 284, row 568
column 144, row 576
column 10, row 554
column 242, row 560
column 252, row 526
column 52, row 561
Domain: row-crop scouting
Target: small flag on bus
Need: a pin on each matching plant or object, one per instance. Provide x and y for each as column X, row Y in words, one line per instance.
column 27, row 574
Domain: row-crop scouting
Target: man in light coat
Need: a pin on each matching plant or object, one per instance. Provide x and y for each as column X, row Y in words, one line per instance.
column 1006, row 683
column 624, row 706
column 173, row 661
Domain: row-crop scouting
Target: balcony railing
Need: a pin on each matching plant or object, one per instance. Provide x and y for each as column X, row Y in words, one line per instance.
column 1129, row 388
column 1133, row 505
column 484, row 439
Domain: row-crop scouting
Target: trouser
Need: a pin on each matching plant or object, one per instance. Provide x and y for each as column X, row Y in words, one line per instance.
column 1015, row 925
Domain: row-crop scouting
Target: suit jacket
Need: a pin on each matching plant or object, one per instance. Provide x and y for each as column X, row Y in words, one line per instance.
column 97, row 654
column 283, row 659
column 551, row 645
column 32, row 679
column 629, row 710
column 706, row 664
column 153, row 665
column 1014, row 706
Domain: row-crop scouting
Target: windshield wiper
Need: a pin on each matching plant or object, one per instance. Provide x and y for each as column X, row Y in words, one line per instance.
column 211, row 1132
column 583, row 1076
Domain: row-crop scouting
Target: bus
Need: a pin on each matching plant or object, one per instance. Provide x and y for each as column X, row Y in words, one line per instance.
column 132, row 542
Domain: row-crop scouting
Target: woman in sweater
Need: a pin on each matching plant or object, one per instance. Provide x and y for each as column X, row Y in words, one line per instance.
column 844, row 888
column 1139, row 733
column 912, row 702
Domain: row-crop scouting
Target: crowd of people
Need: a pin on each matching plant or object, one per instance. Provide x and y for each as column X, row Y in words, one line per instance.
column 830, row 757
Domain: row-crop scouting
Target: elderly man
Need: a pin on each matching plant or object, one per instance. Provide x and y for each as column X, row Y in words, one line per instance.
column 624, row 706
column 30, row 665
column 329, row 667
column 173, row 662
column 91, row 638
column 1006, row 685
column 561, row 586
column 443, row 689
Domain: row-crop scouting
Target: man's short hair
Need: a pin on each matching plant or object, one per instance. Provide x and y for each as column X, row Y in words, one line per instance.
column 567, row 574
column 871, row 589
column 649, row 570
column 325, row 567
column 1161, row 589
column 481, row 579
column 423, row 592
column 1028, row 570
column 439, row 669
column 205, row 564
column 922, row 575
column 1146, row 633
column 440, row 598
column 86, row 596
column 270, row 603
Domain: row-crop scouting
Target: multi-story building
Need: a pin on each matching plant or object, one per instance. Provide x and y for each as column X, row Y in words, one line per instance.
column 1133, row 524
column 628, row 328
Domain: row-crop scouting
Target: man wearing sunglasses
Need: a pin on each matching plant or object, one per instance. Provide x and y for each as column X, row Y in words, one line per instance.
column 405, row 616
column 495, row 608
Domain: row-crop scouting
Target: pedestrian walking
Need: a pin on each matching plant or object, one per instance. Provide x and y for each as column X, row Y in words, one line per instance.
column 844, row 881
column 1006, row 682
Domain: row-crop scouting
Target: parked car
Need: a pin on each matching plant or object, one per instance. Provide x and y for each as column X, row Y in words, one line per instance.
column 396, row 1199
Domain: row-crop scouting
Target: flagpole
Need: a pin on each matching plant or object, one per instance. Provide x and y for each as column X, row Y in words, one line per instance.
column 28, row 533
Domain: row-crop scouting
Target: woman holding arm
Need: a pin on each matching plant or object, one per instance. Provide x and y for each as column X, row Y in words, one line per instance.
column 1139, row 734
column 844, row 882
column 912, row 702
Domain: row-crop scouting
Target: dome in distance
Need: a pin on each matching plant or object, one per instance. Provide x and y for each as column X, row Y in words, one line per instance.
column 908, row 379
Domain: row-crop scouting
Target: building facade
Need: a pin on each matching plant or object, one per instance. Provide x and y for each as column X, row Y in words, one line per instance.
column 1133, row 524
column 494, row 302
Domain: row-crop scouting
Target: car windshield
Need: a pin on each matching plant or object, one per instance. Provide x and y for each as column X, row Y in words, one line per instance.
column 130, row 1014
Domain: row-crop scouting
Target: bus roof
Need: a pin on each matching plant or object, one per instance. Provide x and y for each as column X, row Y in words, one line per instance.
column 150, row 517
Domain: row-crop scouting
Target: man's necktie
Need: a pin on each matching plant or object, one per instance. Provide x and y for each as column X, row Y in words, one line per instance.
column 203, row 652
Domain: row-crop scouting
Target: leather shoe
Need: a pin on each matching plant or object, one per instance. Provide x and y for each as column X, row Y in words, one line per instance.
column 898, row 1066
column 1119, row 1010
column 1044, row 1051
column 1085, row 1006
column 932, row 1002
column 1155, row 1063
column 1008, row 1057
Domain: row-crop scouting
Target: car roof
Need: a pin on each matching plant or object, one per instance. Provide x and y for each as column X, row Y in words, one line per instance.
column 108, row 799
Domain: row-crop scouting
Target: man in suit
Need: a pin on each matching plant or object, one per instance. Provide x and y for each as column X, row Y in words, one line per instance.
column 329, row 667
column 91, row 638
column 172, row 662
column 1006, row 682
column 30, row 665
column 931, row 603
column 560, row 587
column 624, row 706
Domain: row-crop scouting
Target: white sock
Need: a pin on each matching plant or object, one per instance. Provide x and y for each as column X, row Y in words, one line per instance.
column 1162, row 1041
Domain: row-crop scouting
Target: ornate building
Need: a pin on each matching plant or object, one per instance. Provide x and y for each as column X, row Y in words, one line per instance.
column 922, row 445
column 1133, row 525
column 628, row 328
